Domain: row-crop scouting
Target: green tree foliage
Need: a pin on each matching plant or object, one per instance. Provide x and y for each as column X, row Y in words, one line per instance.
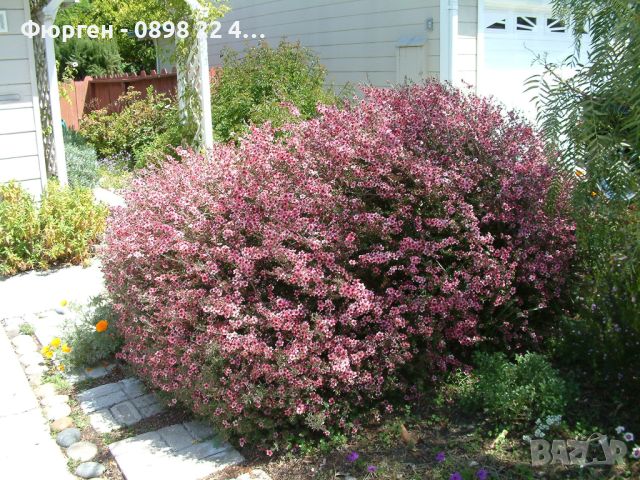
column 136, row 54
column 85, row 56
column 592, row 119
column 593, row 116
column 266, row 84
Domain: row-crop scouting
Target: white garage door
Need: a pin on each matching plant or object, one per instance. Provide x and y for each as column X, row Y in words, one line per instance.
column 513, row 40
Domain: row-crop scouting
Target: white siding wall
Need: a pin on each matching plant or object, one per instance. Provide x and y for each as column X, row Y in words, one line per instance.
column 20, row 141
column 357, row 40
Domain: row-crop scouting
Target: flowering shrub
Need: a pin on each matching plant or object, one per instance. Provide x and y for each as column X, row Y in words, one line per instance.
column 286, row 282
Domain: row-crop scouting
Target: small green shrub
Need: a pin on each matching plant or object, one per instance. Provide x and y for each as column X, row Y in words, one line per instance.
column 278, row 85
column 70, row 224
column 26, row 329
column 512, row 393
column 86, row 56
column 141, row 128
column 90, row 344
column 82, row 161
column 601, row 336
column 62, row 230
column 19, row 230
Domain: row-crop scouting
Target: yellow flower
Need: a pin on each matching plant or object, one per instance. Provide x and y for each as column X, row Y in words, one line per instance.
column 44, row 350
column 594, row 194
column 66, row 348
column 48, row 354
column 61, row 367
column 63, row 303
column 55, row 343
column 101, row 326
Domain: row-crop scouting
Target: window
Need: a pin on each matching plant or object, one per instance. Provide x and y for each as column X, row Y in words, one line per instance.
column 526, row 24
column 499, row 25
column 556, row 26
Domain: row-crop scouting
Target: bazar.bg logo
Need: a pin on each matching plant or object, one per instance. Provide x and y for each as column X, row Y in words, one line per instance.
column 596, row 450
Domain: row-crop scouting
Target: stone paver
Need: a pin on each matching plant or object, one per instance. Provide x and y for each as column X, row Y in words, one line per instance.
column 90, row 470
column 82, row 451
column 125, row 414
column 114, row 405
column 68, row 437
column 28, row 451
column 103, row 422
column 61, row 423
column 173, row 452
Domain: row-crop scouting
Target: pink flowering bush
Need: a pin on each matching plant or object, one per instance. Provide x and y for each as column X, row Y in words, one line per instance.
column 292, row 280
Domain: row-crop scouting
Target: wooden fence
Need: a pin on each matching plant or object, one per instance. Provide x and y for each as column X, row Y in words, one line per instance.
column 80, row 97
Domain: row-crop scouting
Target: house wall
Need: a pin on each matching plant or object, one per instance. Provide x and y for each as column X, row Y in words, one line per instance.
column 21, row 155
column 359, row 41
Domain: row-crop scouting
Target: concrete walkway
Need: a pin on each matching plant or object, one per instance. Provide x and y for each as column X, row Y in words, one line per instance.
column 27, row 450
column 35, row 292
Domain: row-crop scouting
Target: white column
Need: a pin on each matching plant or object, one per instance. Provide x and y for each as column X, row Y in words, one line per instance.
column 480, row 48
column 448, row 40
column 206, row 123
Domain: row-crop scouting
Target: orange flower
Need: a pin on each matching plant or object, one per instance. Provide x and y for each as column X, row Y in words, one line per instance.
column 101, row 326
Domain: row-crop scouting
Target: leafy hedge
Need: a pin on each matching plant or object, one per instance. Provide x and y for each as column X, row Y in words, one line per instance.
column 265, row 84
column 293, row 280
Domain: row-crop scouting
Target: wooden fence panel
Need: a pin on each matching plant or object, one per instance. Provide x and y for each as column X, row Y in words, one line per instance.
column 82, row 96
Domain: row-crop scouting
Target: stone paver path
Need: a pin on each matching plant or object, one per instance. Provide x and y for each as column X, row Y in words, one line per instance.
column 119, row 404
column 188, row 451
column 27, row 450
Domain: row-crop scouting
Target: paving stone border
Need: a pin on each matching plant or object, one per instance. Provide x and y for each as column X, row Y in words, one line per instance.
column 56, row 407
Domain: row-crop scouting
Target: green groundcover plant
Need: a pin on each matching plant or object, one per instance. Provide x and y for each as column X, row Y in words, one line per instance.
column 514, row 392
column 82, row 160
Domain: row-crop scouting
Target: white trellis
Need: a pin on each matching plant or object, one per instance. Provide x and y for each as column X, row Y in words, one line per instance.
column 48, row 94
column 193, row 86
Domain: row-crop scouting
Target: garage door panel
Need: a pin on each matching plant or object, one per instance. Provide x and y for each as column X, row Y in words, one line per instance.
column 513, row 42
